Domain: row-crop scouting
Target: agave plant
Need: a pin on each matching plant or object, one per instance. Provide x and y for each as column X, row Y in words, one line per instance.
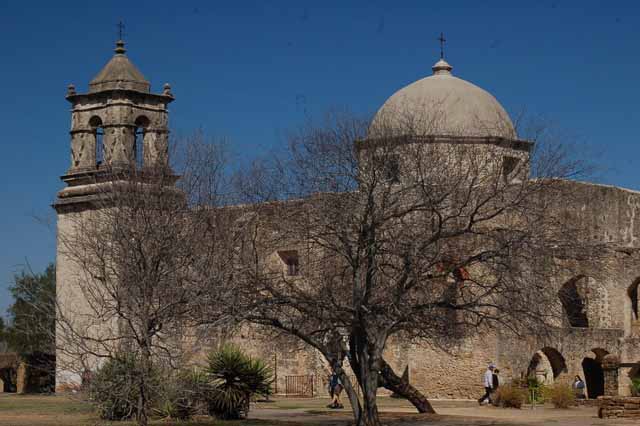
column 233, row 379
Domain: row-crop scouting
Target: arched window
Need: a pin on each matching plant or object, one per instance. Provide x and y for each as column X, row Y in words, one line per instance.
column 141, row 123
column 509, row 168
column 291, row 260
column 573, row 303
column 98, row 133
column 633, row 295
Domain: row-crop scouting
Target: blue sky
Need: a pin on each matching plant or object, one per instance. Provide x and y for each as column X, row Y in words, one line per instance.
column 251, row 70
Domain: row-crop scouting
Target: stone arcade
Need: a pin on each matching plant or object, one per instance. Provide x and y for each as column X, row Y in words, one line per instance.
column 120, row 123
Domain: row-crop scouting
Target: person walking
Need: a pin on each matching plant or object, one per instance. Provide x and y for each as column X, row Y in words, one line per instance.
column 495, row 384
column 487, row 382
column 335, row 386
column 330, row 385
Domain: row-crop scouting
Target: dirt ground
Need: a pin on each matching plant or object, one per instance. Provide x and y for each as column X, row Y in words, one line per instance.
column 450, row 413
column 40, row 410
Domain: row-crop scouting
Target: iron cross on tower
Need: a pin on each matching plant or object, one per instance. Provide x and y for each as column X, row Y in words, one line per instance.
column 442, row 41
column 120, row 30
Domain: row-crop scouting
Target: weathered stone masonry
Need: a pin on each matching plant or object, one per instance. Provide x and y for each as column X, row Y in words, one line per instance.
column 119, row 122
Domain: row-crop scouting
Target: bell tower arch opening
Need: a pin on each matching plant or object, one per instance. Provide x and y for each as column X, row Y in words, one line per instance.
column 141, row 126
column 98, row 136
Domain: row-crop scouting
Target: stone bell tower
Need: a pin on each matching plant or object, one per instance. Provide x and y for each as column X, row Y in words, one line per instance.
column 118, row 127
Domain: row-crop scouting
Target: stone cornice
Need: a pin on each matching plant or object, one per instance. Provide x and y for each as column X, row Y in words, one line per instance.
column 128, row 93
column 517, row 144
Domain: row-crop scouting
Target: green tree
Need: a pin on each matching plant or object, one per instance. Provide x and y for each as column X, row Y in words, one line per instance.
column 31, row 325
column 3, row 332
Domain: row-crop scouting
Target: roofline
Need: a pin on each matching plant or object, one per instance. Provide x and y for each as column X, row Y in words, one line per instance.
column 517, row 144
column 603, row 185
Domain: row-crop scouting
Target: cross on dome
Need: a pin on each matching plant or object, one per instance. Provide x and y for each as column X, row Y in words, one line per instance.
column 441, row 67
column 442, row 41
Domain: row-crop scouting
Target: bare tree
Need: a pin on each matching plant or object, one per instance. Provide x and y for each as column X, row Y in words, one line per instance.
column 138, row 257
column 402, row 235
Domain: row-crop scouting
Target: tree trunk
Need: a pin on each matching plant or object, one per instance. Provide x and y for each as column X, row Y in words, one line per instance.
column 391, row 381
column 351, row 393
column 369, row 385
column 404, row 378
column 145, row 376
column 142, row 410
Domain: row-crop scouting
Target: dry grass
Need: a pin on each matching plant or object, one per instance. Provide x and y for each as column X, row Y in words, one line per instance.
column 41, row 410
column 50, row 410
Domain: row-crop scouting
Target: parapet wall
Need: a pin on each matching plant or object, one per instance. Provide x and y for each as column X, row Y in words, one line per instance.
column 619, row 407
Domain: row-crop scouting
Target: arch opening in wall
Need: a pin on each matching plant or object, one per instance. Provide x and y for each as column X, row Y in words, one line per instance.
column 573, row 303
column 8, row 377
column 634, row 372
column 98, row 135
column 593, row 373
column 547, row 365
column 600, row 354
column 633, row 296
column 141, row 126
column 593, row 377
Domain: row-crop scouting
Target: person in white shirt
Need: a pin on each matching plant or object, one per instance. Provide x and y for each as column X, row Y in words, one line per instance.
column 487, row 382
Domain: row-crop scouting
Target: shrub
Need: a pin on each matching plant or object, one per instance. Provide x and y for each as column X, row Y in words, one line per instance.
column 232, row 379
column 562, row 395
column 510, row 396
column 635, row 386
column 532, row 382
column 182, row 395
column 115, row 388
column 536, row 389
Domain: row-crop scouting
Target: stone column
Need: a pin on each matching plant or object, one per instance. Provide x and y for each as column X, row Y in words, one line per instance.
column 21, row 378
column 610, row 367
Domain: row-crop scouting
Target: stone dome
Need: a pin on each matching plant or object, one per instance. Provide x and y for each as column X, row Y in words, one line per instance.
column 443, row 105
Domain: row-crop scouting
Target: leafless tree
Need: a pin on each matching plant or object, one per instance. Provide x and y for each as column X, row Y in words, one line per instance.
column 402, row 235
column 139, row 257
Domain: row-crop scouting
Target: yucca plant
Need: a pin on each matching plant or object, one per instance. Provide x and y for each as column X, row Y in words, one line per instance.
column 233, row 379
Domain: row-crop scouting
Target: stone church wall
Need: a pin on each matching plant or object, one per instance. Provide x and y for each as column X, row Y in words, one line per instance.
column 458, row 373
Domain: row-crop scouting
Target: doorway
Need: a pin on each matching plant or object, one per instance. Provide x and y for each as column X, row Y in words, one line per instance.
column 594, row 377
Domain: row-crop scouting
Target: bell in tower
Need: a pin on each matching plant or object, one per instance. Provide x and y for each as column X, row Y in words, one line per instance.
column 118, row 126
